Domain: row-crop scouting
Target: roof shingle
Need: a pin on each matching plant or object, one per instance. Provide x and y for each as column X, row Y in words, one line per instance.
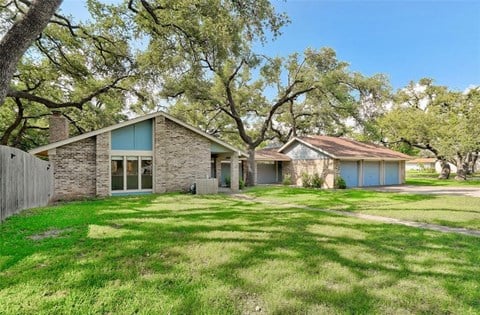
column 271, row 154
column 346, row 148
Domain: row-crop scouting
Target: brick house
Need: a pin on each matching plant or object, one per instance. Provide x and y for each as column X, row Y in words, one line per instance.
column 155, row 153
column 359, row 164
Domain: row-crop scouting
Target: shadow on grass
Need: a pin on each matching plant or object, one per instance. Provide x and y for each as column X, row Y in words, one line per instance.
column 213, row 254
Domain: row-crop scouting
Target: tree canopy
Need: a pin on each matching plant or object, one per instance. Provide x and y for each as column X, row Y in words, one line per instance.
column 436, row 119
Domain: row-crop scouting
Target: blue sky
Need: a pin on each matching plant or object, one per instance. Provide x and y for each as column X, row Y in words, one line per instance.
column 406, row 40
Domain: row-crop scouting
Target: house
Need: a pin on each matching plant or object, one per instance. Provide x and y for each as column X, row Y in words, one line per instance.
column 153, row 153
column 433, row 164
column 420, row 164
column 359, row 164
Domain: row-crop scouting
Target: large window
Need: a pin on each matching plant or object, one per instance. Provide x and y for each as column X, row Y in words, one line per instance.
column 117, row 173
column 146, row 172
column 131, row 173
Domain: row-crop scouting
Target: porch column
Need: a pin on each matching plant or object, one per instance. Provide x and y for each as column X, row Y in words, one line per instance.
column 234, row 185
column 218, row 169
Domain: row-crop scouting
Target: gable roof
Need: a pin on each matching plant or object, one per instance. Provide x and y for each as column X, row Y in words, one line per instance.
column 271, row 154
column 343, row 148
column 131, row 122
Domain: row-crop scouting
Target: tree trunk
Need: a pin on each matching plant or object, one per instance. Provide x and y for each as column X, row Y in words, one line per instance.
column 21, row 36
column 472, row 161
column 445, row 174
column 251, row 168
column 462, row 168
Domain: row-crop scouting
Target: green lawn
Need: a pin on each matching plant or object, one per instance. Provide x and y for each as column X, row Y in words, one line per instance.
column 183, row 254
column 454, row 211
column 431, row 179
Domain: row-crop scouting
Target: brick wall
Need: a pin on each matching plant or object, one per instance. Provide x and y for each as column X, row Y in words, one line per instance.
column 58, row 127
column 103, row 164
column 325, row 168
column 74, row 167
column 180, row 156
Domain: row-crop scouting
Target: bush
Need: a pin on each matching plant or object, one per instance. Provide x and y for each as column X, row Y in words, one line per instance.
column 227, row 181
column 287, row 180
column 241, row 183
column 306, row 180
column 340, row 183
column 316, row 181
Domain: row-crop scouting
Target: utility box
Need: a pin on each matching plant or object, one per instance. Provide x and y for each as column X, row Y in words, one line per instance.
column 206, row 186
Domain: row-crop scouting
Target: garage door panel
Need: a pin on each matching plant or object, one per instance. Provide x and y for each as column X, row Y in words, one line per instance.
column 371, row 173
column 349, row 172
column 392, row 173
column 266, row 173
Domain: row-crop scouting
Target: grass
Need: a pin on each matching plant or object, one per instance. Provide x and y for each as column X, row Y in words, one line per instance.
column 431, row 179
column 453, row 211
column 184, row 254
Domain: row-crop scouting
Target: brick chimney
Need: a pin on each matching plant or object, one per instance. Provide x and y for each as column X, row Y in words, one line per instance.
column 58, row 127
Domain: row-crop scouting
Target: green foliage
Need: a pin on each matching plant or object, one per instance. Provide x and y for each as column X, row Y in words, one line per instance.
column 228, row 182
column 434, row 118
column 306, row 180
column 241, row 183
column 311, row 181
column 340, row 183
column 317, row 181
column 287, row 179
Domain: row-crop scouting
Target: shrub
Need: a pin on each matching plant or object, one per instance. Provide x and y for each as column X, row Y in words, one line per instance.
column 306, row 180
column 241, row 183
column 287, row 180
column 316, row 181
column 227, row 181
column 340, row 183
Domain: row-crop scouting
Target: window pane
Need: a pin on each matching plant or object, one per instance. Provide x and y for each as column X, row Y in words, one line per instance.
column 146, row 173
column 132, row 172
column 117, row 173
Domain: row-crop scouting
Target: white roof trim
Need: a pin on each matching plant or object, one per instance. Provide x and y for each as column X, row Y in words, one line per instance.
column 131, row 122
column 308, row 145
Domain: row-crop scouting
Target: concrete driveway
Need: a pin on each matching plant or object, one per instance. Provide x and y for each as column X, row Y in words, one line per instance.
column 427, row 190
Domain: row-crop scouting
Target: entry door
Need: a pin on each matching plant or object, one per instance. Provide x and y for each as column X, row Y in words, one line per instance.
column 391, row 173
column 371, row 173
column 349, row 172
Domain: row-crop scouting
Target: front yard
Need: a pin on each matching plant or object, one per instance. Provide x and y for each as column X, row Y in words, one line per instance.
column 161, row 254
column 454, row 211
column 431, row 179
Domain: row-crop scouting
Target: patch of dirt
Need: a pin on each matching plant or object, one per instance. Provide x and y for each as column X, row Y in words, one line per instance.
column 250, row 303
column 48, row 234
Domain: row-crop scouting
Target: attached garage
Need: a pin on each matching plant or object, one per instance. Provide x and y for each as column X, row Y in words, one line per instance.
column 268, row 172
column 349, row 172
column 392, row 173
column 371, row 173
column 359, row 164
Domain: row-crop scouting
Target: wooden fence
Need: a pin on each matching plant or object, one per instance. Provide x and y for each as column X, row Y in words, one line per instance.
column 25, row 181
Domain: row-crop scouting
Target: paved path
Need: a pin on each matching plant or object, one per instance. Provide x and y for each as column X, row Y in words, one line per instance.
column 427, row 226
column 428, row 190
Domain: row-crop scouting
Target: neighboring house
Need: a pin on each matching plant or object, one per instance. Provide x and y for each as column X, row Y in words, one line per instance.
column 420, row 164
column 153, row 153
column 359, row 164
